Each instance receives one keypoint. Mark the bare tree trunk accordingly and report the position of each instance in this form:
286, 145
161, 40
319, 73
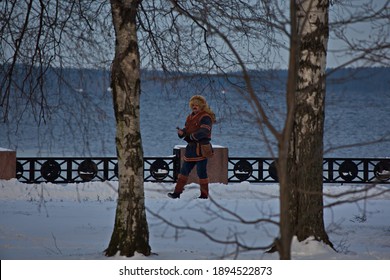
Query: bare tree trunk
287, 194
131, 232
306, 146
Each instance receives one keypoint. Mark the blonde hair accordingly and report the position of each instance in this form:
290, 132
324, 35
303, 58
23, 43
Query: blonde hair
202, 103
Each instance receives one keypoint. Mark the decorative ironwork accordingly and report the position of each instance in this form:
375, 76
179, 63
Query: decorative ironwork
356, 170
348, 170
382, 170
261, 170
243, 170
77, 170
50, 170
65, 170
273, 172
159, 169
335, 170
87, 170
19, 170
166, 169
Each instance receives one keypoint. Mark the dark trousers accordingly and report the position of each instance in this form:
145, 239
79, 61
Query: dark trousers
201, 168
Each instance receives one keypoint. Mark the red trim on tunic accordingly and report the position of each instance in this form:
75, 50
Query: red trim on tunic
193, 158
206, 126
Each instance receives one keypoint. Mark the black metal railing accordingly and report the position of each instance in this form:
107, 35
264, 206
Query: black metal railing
76, 170
165, 169
335, 170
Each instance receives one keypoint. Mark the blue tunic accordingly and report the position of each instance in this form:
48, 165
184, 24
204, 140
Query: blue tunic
197, 131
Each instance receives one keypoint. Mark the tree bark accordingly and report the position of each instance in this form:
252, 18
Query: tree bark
287, 194
306, 145
130, 232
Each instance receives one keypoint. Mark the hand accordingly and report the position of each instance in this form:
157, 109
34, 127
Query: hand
180, 132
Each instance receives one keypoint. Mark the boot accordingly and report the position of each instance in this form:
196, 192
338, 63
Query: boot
204, 188
174, 195
181, 182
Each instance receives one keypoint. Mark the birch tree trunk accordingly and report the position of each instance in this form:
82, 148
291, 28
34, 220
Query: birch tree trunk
287, 193
131, 232
305, 159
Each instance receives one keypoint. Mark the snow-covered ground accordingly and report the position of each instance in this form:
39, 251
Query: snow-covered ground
75, 221
49, 230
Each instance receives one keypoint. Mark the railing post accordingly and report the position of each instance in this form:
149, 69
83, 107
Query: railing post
105, 169
69, 169
7, 164
366, 170
330, 170
32, 170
